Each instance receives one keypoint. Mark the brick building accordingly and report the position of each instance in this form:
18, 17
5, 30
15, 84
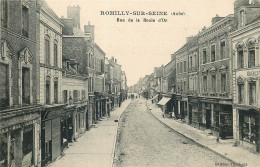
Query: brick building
19, 112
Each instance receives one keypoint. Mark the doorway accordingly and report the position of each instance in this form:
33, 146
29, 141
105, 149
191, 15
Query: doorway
208, 119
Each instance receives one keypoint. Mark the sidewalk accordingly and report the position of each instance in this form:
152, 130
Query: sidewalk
224, 147
96, 147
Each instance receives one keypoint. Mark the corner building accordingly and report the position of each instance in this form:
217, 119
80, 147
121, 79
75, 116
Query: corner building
246, 75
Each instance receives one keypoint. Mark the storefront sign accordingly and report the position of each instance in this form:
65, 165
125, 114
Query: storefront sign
253, 73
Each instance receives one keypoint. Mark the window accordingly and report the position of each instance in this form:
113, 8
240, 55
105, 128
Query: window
190, 61
222, 50
56, 90
102, 66
27, 139
213, 53
47, 89
55, 55
181, 70
240, 93
242, 18
68, 65
204, 56
65, 96
47, 52
252, 93
83, 94
25, 85
75, 96
213, 82
4, 13
195, 61
178, 67
184, 66
249, 129
205, 83
184, 86
240, 59
4, 86
25, 21
223, 82
251, 57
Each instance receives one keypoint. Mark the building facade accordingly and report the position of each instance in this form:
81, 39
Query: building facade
246, 77
20, 118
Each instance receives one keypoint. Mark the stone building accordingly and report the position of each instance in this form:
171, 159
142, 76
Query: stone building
75, 91
181, 81
193, 80
20, 117
215, 96
246, 75
49, 49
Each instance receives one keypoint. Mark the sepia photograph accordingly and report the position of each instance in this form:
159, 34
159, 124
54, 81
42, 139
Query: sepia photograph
129, 83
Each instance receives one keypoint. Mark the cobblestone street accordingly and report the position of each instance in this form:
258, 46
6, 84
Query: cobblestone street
144, 141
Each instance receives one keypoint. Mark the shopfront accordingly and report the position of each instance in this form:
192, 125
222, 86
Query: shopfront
51, 144
193, 111
19, 137
249, 129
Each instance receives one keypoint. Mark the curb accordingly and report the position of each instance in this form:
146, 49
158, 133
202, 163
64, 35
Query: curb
114, 147
201, 145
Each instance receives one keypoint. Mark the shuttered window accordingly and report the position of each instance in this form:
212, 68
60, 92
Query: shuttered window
4, 85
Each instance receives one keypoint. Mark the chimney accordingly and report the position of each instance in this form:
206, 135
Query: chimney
90, 29
216, 19
188, 39
73, 12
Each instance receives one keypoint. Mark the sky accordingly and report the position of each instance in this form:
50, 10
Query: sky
141, 46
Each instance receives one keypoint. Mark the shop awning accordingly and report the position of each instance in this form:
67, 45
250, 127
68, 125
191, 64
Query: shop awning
163, 101
154, 97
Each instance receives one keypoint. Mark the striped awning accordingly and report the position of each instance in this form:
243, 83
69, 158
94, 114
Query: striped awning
163, 101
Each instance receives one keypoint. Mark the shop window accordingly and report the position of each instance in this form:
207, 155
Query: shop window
25, 21
47, 52
251, 57
223, 83
47, 89
249, 129
25, 85
28, 140
55, 55
252, 93
56, 90
4, 86
4, 13
3, 149
222, 50
213, 53
213, 83
205, 83
240, 93
204, 56
240, 59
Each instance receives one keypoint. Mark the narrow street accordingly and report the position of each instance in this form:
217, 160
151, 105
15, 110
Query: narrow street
143, 141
